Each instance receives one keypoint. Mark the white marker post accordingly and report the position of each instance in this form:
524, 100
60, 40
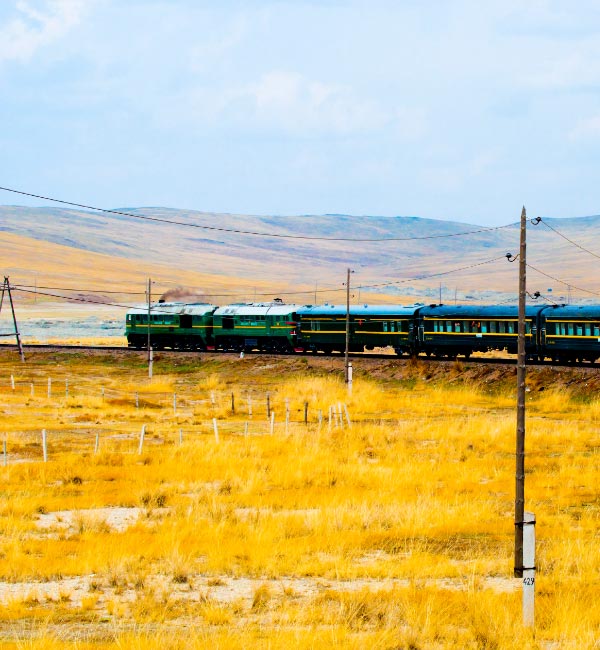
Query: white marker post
142, 436
150, 363
529, 569
49, 387
45, 445
12, 382
350, 378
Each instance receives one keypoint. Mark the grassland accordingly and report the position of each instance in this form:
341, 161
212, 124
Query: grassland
394, 532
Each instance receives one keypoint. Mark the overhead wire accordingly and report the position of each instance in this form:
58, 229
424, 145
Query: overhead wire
567, 284
367, 286
252, 232
574, 243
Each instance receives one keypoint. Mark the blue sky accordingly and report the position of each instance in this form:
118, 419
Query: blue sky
450, 110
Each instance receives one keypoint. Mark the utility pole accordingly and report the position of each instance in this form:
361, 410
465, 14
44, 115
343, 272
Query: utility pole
6, 287
520, 451
149, 294
347, 326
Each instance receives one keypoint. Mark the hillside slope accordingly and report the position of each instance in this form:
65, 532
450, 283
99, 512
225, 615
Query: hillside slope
203, 255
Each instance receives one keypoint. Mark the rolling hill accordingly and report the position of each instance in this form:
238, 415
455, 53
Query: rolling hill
210, 257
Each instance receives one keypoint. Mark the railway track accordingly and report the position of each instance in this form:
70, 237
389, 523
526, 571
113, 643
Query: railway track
352, 355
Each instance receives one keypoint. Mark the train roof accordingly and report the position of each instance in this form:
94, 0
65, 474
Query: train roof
257, 309
356, 310
574, 312
192, 308
477, 311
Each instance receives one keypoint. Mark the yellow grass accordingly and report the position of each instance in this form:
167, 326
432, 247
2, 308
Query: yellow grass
396, 532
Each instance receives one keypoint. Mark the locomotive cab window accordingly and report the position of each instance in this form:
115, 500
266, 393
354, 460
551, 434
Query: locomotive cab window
228, 322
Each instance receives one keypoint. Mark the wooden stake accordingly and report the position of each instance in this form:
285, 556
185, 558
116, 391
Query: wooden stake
142, 436
44, 445
216, 429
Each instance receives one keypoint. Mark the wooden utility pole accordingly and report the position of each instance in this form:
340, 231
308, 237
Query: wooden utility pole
347, 326
520, 451
149, 294
6, 287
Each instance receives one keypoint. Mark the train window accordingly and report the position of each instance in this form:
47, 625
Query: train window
228, 322
579, 330
385, 326
596, 329
510, 327
570, 329
502, 327
392, 326
448, 326
588, 329
492, 325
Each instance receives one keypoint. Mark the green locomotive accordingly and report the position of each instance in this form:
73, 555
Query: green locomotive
174, 325
268, 327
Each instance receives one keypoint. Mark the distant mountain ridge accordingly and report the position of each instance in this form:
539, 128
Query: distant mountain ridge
412, 247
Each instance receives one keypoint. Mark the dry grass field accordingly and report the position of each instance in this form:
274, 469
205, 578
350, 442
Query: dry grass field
383, 522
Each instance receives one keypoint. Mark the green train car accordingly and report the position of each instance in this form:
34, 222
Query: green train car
571, 333
323, 328
177, 326
268, 327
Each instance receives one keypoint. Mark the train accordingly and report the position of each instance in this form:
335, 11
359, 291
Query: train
560, 333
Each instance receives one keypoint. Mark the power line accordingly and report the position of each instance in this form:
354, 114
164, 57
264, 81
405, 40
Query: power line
124, 293
366, 286
567, 284
252, 232
574, 243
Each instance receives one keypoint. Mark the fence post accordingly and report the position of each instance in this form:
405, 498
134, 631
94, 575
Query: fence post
305, 412
102, 392
174, 403
340, 415
320, 416
249, 406
142, 436
232, 404
137, 400
49, 387
212, 397
12, 382
45, 445
97, 445
216, 428
180, 437
347, 416
31, 390
268, 405
245, 430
